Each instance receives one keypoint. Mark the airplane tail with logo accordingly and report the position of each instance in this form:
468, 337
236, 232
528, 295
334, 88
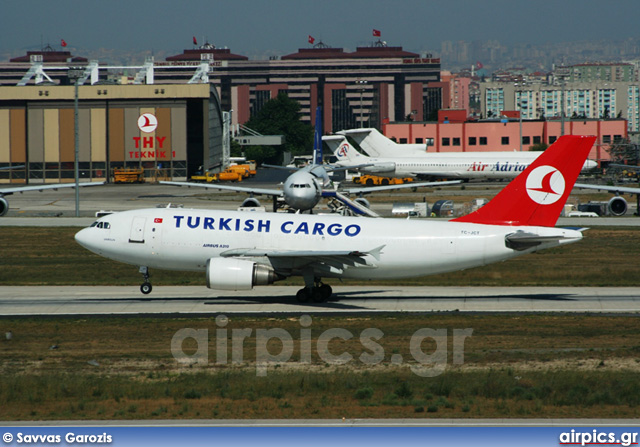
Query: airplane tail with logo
346, 154
536, 196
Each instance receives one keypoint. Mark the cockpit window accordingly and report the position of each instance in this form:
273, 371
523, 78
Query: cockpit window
103, 225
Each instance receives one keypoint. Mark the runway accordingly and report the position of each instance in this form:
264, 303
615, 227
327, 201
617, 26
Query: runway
81, 300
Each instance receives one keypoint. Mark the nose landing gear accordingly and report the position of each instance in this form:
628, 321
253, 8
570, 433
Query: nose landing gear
146, 287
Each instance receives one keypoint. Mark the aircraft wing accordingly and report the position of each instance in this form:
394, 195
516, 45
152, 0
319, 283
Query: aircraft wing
316, 258
266, 191
8, 191
614, 189
368, 189
282, 168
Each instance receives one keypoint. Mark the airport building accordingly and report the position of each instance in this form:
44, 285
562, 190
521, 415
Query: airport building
578, 99
365, 87
454, 133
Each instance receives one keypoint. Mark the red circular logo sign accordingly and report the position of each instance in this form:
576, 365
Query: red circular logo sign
147, 122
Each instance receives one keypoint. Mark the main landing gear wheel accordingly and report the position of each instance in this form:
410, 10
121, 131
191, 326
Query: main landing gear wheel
318, 294
304, 295
146, 286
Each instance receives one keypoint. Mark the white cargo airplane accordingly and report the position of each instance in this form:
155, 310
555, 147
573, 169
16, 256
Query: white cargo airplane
304, 188
239, 251
4, 203
455, 165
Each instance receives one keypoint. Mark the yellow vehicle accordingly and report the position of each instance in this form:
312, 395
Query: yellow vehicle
224, 176
241, 170
371, 180
249, 165
128, 175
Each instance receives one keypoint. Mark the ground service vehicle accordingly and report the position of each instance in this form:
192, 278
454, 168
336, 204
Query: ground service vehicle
128, 175
371, 180
224, 176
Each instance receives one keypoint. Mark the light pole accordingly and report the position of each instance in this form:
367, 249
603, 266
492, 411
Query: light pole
362, 83
74, 75
562, 108
519, 93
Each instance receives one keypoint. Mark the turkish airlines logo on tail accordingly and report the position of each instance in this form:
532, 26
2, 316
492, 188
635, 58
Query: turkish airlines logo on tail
545, 185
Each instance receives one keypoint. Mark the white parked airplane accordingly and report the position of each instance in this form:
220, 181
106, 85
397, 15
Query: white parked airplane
458, 165
304, 188
239, 251
374, 144
4, 203
617, 206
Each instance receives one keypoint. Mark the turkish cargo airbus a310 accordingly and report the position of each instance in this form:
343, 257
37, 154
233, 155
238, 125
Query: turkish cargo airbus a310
240, 250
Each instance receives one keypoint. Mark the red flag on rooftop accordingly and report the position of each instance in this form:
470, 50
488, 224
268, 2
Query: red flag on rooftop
63, 42
195, 42
376, 33
311, 40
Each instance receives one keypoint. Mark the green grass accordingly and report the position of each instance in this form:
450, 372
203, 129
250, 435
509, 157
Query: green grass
514, 366
239, 394
607, 256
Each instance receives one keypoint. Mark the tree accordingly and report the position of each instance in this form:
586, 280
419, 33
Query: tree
623, 152
540, 147
280, 116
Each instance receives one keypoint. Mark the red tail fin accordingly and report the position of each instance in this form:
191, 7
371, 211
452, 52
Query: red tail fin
536, 196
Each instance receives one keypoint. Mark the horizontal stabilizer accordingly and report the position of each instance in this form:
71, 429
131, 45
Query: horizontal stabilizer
521, 240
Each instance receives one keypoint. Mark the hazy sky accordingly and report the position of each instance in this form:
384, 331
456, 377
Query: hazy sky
281, 26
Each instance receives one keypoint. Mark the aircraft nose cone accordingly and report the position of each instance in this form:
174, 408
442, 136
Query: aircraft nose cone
82, 238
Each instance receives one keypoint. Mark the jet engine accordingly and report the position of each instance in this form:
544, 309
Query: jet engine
251, 202
237, 274
617, 206
4, 206
380, 168
362, 201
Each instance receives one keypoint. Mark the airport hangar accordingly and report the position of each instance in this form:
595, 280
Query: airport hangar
37, 129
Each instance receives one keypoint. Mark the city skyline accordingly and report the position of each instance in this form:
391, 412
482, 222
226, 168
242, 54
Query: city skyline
281, 26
